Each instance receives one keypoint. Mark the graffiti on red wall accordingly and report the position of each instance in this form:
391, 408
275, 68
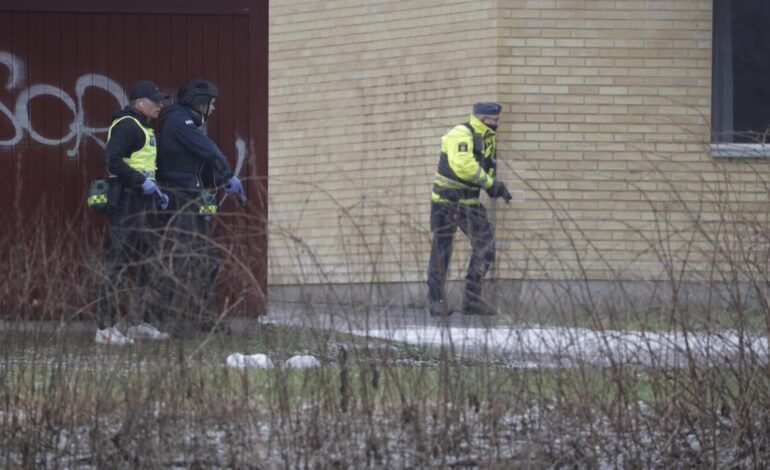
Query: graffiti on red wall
19, 116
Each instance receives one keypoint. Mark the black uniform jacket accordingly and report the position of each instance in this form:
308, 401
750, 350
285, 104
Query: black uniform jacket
188, 158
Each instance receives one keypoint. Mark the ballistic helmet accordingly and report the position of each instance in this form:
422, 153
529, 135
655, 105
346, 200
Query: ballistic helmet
197, 92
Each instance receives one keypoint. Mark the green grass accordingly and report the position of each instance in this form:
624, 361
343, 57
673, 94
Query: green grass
156, 403
385, 371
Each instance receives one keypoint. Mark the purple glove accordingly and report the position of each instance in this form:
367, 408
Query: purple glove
149, 186
162, 200
234, 186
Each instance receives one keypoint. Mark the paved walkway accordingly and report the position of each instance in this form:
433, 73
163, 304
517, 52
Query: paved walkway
496, 338
362, 318
530, 346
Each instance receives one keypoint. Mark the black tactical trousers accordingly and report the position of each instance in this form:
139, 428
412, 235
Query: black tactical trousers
132, 241
192, 264
445, 218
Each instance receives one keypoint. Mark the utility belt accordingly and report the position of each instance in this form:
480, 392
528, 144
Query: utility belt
455, 194
202, 202
146, 173
106, 193
188, 192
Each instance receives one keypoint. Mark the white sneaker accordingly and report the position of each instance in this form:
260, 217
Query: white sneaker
146, 331
112, 336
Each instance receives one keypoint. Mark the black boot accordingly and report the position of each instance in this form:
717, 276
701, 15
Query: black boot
473, 304
436, 309
478, 308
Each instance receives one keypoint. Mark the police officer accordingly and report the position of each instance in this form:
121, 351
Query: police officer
130, 157
466, 165
190, 164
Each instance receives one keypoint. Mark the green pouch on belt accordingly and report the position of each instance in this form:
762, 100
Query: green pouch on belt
207, 203
97, 199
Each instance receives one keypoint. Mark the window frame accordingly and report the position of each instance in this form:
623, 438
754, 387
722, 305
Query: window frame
722, 80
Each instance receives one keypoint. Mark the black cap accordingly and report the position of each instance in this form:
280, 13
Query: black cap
147, 89
487, 108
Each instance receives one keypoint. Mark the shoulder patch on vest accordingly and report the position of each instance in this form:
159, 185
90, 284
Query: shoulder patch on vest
462, 147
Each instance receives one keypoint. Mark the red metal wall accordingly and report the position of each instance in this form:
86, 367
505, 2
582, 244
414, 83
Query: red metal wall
65, 67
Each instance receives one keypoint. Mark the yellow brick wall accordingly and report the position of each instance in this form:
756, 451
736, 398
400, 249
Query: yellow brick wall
604, 137
360, 93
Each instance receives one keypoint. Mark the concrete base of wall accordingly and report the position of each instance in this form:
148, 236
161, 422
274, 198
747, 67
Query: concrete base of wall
542, 296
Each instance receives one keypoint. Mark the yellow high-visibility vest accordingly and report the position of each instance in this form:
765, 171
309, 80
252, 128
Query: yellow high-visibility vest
467, 163
144, 159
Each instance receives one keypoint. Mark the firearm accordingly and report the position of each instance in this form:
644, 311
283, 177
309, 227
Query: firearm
241, 199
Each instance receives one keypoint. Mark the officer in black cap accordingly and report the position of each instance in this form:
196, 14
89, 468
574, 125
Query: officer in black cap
467, 164
130, 158
192, 167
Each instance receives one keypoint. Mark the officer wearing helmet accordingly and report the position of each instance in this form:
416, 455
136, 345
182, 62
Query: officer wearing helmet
185, 153
191, 167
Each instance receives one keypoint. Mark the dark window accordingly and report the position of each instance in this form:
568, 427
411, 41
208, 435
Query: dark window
740, 111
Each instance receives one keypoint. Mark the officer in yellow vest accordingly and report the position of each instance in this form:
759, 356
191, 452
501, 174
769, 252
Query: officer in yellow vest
130, 158
467, 164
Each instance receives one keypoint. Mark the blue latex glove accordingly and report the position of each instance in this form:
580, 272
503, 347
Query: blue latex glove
234, 186
149, 186
162, 200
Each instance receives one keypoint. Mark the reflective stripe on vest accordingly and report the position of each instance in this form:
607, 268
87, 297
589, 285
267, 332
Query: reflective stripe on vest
143, 160
447, 186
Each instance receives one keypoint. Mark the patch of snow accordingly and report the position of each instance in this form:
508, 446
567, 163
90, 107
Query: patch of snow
262, 361
302, 362
581, 344
244, 361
